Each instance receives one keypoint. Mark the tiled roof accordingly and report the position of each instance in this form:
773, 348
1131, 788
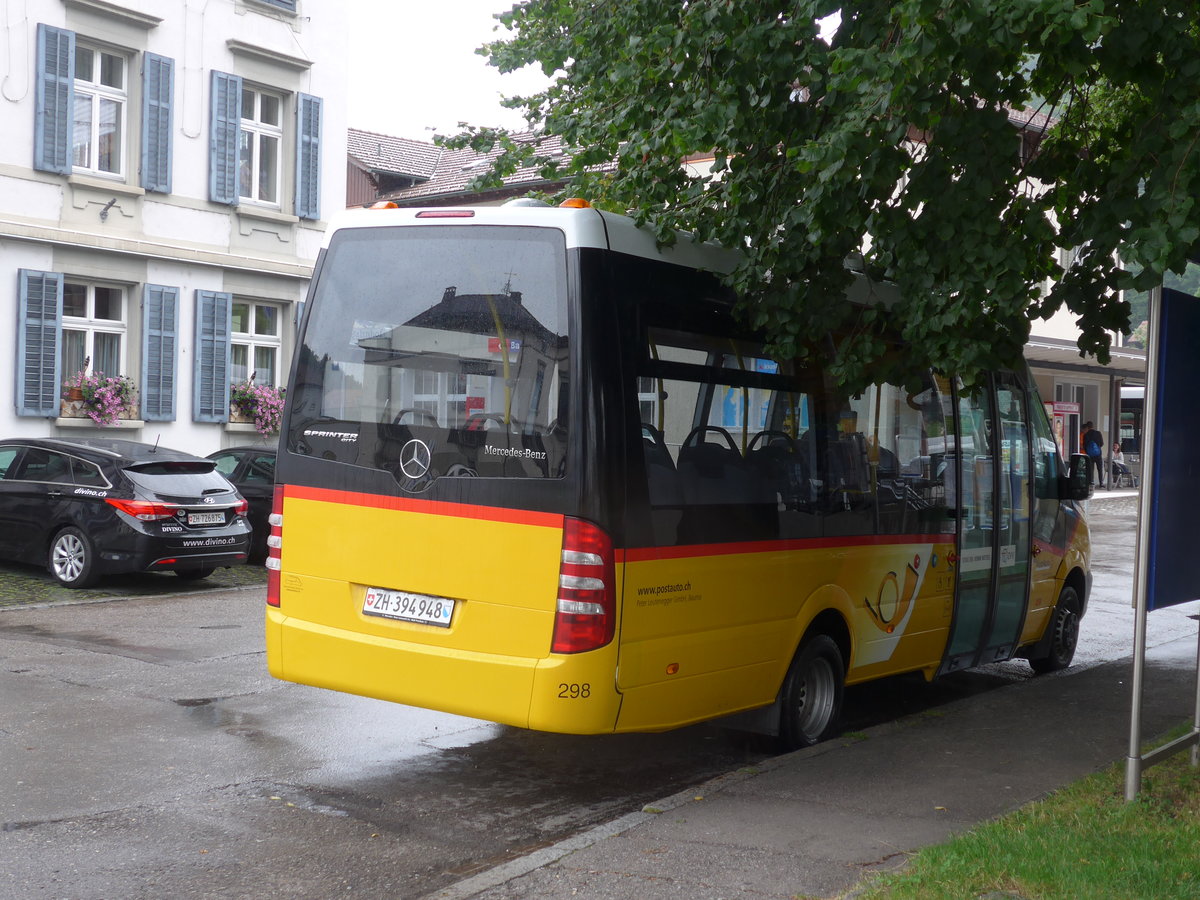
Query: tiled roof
1031, 120
393, 155
457, 168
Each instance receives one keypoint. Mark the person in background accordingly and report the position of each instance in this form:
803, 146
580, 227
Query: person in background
1092, 443
1119, 469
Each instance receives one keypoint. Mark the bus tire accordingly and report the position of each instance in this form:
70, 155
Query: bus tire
812, 693
1064, 626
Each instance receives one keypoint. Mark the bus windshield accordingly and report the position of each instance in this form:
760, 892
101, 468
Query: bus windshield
454, 335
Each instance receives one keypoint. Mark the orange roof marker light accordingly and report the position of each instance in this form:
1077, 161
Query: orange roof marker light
384, 204
575, 203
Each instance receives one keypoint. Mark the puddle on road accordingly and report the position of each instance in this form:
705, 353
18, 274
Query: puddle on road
340, 737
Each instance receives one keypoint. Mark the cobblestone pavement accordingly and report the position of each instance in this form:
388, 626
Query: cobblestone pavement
22, 585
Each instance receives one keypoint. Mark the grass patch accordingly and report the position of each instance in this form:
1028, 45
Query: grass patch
1082, 841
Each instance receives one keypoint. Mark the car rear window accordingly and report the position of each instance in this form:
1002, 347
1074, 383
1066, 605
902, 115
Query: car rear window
172, 467
178, 478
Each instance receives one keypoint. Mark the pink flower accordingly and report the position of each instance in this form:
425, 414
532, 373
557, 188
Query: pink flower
260, 402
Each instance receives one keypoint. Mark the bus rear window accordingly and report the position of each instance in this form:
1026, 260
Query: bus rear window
452, 336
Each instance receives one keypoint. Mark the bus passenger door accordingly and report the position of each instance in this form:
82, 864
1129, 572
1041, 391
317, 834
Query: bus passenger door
991, 500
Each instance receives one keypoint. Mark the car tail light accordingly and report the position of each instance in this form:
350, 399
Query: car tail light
144, 510
242, 507
585, 615
274, 543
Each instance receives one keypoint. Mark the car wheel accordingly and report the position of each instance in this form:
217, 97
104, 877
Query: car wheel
812, 693
1064, 625
72, 559
194, 574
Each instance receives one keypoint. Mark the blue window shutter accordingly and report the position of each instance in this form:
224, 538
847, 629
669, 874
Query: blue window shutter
224, 127
160, 314
308, 156
158, 90
55, 99
210, 381
39, 318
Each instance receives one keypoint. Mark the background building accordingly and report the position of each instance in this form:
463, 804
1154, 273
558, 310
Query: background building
161, 203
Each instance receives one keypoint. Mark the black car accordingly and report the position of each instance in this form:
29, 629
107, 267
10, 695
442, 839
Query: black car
92, 507
252, 471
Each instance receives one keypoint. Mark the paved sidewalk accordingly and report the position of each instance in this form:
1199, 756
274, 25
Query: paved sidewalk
815, 822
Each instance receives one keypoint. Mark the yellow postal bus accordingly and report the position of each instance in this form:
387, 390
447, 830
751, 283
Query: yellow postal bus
532, 470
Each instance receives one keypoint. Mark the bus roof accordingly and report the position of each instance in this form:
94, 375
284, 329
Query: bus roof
582, 228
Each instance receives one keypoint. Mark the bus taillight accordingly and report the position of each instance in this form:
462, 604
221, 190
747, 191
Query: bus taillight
585, 617
274, 542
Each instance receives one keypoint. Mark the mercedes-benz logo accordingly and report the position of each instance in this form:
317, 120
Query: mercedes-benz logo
415, 458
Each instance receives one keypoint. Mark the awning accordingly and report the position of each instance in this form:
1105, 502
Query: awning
1128, 363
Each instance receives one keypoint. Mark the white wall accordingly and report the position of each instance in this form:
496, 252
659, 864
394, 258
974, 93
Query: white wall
52, 222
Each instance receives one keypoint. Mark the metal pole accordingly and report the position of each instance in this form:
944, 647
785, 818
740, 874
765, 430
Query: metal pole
1196, 717
1133, 764
1114, 427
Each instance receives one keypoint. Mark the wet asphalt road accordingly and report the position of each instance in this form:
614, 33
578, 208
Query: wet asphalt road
145, 752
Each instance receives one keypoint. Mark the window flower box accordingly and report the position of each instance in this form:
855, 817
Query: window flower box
105, 399
259, 405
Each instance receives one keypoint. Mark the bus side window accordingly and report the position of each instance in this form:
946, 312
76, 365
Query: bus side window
884, 462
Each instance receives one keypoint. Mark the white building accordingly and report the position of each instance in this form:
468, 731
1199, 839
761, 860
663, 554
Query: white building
161, 203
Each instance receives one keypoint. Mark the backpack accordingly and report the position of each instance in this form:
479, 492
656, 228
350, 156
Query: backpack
1093, 449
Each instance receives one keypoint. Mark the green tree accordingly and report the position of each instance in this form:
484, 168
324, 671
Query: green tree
814, 158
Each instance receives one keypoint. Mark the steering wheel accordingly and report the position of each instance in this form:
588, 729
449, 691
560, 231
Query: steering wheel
419, 417
769, 436
700, 430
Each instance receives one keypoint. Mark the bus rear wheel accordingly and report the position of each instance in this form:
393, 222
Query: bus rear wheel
812, 693
1064, 626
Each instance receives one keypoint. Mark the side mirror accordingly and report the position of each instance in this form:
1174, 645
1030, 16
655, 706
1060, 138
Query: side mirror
1077, 485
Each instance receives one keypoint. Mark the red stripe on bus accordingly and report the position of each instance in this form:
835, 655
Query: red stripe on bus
426, 507
645, 554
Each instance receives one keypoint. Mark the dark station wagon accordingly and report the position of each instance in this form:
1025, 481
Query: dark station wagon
92, 507
252, 471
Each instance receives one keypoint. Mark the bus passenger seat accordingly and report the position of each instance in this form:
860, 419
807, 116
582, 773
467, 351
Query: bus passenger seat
712, 473
776, 468
662, 480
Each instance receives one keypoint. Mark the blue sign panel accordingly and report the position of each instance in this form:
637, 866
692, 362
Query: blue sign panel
1173, 567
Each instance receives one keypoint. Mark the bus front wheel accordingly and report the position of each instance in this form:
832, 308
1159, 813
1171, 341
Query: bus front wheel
812, 693
1064, 626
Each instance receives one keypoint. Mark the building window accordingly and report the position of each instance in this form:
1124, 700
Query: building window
245, 161
98, 129
93, 328
259, 152
255, 342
